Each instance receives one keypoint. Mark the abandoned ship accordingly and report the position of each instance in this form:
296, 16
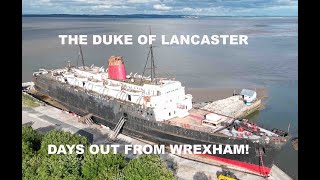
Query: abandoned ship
157, 110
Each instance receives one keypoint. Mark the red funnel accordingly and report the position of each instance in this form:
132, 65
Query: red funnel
116, 69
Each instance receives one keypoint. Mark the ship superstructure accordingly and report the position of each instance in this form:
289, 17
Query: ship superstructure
159, 101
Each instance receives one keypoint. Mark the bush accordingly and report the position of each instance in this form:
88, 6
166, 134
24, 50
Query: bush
31, 138
147, 167
57, 137
31, 143
61, 165
30, 167
102, 165
38, 164
110, 174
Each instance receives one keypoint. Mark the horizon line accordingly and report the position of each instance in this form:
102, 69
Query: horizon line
30, 14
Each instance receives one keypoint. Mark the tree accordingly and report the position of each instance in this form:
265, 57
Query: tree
31, 138
113, 173
147, 167
38, 164
60, 166
102, 165
30, 167
57, 137
31, 143
27, 154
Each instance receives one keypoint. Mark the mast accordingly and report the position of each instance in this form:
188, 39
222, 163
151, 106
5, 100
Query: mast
153, 67
153, 73
82, 57
78, 60
152, 64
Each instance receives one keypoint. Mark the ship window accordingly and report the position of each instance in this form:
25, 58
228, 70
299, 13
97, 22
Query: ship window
150, 114
147, 114
174, 112
83, 83
169, 114
129, 97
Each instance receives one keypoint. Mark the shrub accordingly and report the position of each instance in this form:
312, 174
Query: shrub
147, 167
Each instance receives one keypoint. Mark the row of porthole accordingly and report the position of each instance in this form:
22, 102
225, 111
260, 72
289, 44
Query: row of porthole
140, 111
147, 112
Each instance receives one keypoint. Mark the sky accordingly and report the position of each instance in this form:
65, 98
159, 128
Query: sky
165, 7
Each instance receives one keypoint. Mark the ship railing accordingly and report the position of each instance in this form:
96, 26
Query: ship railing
41, 71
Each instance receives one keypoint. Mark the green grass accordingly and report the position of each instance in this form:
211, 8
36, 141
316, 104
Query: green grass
27, 101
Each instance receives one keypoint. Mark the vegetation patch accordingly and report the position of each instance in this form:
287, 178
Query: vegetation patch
28, 101
38, 164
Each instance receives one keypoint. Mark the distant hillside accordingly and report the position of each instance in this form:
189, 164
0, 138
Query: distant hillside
108, 16
137, 16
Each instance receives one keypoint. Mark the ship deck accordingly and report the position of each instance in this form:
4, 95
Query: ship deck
194, 120
132, 80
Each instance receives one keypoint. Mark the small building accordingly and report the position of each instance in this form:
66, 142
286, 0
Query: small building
212, 120
248, 95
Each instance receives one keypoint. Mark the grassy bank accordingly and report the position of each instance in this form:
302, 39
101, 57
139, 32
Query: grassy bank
28, 101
